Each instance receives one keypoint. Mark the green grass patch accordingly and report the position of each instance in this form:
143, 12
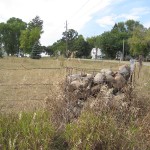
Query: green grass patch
26, 131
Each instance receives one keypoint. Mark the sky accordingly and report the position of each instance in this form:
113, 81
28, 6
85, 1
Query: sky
87, 17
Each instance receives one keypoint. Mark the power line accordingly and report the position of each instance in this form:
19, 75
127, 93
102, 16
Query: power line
80, 8
76, 12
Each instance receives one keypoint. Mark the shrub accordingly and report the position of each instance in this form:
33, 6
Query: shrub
35, 54
100, 132
26, 131
1, 54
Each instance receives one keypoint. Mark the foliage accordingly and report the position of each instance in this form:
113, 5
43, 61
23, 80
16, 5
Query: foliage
76, 43
10, 33
60, 45
139, 42
131, 24
24, 41
36, 23
47, 49
93, 131
16, 34
36, 50
31, 34
70, 36
111, 42
81, 46
26, 131
92, 41
1, 54
28, 38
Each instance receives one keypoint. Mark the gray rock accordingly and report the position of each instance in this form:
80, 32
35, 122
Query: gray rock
107, 71
99, 78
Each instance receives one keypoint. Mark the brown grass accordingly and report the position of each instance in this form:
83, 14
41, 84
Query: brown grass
30, 85
24, 83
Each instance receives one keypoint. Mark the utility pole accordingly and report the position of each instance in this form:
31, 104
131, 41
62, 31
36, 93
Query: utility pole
96, 53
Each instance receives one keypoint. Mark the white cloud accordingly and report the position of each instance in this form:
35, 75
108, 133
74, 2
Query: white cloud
140, 10
135, 14
106, 21
54, 13
147, 24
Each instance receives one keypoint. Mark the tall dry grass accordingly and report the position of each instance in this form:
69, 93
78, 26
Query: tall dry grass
27, 91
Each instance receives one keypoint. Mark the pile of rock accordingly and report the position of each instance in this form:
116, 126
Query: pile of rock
79, 87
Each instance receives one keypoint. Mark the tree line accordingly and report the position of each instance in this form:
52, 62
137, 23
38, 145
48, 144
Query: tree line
17, 35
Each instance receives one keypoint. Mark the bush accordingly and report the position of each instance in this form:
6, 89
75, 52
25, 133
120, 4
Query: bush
1, 54
26, 131
101, 132
35, 54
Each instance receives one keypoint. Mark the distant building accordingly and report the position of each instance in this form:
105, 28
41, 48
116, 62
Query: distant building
96, 53
26, 55
3, 52
44, 54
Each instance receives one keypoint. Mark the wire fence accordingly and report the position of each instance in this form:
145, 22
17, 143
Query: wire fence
29, 86
51, 68
21, 92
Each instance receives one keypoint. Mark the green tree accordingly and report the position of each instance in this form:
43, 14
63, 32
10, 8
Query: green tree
111, 42
139, 42
24, 41
91, 42
70, 36
131, 24
81, 46
107, 44
1, 43
60, 46
121, 36
31, 34
147, 38
36, 23
10, 34
36, 50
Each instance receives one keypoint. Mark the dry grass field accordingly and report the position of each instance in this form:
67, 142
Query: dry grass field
25, 84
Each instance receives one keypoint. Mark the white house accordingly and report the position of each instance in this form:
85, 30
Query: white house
44, 54
96, 53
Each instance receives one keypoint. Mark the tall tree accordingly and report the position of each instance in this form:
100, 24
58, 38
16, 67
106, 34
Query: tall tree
36, 23
70, 36
59, 46
81, 47
131, 24
112, 42
139, 41
36, 50
1, 41
31, 34
107, 44
10, 33
92, 42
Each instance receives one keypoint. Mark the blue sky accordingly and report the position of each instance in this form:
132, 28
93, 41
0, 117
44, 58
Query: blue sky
119, 11
87, 17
